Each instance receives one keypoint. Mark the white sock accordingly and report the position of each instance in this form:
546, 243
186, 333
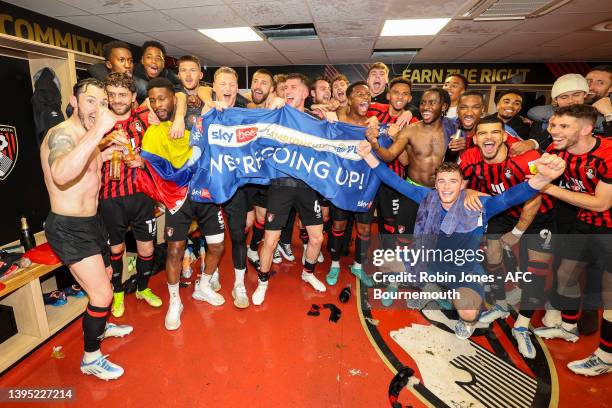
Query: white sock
335, 264
569, 326
522, 321
262, 283
174, 292
503, 304
239, 277
356, 265
604, 355
88, 357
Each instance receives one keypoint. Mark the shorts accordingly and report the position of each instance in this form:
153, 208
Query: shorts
136, 210
339, 214
586, 242
208, 216
389, 201
256, 195
281, 199
76, 238
538, 236
406, 218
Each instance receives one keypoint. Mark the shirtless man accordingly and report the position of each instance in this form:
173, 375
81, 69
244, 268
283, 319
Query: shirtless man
425, 146
359, 99
72, 163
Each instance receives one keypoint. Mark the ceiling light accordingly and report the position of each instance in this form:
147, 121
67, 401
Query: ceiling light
417, 26
233, 34
394, 53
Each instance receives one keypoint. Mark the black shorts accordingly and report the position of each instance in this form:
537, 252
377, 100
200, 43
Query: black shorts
389, 202
586, 242
339, 214
538, 236
208, 216
281, 199
256, 195
237, 208
76, 238
119, 213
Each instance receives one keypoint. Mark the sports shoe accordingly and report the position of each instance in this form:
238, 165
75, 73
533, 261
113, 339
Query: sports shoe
320, 258
116, 330
276, 258
214, 281
388, 301
464, 330
286, 251
241, 300
187, 272
332, 275
204, 292
523, 341
496, 312
557, 332
102, 368
173, 316
314, 282
118, 308
253, 258
590, 366
363, 277
151, 298
552, 317
260, 293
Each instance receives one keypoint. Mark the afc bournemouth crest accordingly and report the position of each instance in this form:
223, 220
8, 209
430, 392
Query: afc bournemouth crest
9, 150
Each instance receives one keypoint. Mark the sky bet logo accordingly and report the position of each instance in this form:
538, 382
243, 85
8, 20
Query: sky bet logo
242, 135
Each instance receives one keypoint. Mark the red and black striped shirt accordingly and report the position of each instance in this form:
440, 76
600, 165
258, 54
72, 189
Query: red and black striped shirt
135, 126
381, 111
496, 178
582, 174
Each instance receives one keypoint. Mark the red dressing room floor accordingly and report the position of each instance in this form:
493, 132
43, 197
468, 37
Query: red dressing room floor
277, 356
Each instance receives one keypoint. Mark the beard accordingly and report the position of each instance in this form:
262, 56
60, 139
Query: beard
120, 109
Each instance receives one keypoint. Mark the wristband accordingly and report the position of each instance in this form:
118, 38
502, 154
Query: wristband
517, 232
537, 145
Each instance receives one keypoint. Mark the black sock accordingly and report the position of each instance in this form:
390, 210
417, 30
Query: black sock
144, 266
309, 267
263, 276
304, 236
94, 323
605, 342
362, 244
117, 265
498, 289
336, 238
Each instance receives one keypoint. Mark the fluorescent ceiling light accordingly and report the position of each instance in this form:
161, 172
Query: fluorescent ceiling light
233, 34
416, 26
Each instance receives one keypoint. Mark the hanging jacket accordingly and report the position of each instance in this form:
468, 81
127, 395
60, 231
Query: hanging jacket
46, 102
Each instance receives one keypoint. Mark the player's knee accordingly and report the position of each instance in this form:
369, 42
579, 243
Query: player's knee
175, 252
468, 315
315, 238
145, 248
216, 249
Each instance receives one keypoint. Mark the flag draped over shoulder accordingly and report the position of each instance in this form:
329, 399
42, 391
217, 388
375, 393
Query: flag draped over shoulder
166, 178
241, 146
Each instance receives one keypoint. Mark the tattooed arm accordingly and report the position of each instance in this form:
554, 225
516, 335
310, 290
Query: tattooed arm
67, 157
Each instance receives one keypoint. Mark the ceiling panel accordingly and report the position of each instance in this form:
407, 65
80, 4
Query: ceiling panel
398, 9
145, 21
449, 53
581, 40
339, 10
252, 46
465, 40
51, 8
357, 55
560, 23
165, 4
273, 12
207, 17
313, 45
419, 41
349, 28
478, 27
348, 43
580, 6
108, 6
182, 37
97, 24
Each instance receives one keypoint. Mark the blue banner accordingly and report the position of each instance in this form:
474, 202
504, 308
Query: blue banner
241, 146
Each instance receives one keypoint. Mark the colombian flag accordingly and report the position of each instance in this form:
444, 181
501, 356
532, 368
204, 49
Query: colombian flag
166, 178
